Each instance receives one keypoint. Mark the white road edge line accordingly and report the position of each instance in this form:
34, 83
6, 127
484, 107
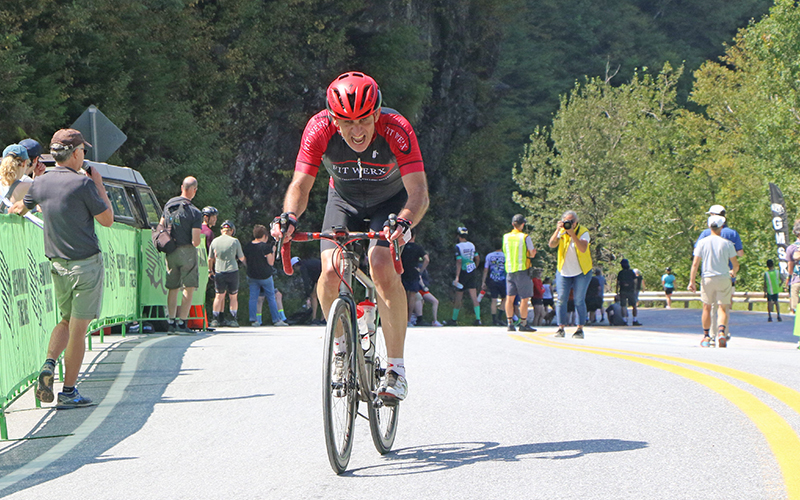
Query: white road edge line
94, 420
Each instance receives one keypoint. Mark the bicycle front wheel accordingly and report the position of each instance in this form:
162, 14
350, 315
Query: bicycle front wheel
382, 418
339, 385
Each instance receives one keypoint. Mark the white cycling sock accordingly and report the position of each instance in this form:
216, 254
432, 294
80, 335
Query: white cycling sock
396, 365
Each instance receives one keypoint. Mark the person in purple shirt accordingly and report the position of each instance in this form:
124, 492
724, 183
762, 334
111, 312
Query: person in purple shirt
793, 257
209, 220
732, 236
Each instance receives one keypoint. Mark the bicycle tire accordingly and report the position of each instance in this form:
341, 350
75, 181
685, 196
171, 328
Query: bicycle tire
382, 420
339, 401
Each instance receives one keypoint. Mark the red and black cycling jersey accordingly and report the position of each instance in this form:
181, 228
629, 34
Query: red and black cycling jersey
368, 178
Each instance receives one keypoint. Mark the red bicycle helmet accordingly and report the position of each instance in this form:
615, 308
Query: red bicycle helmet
353, 96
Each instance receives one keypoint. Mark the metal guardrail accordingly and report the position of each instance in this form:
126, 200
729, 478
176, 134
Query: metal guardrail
686, 297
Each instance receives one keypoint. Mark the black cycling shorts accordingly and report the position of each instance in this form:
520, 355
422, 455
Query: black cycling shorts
227, 282
339, 212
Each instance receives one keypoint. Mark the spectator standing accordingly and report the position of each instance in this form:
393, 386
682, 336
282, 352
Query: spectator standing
772, 286
668, 282
222, 258
601, 290
71, 202
184, 221
37, 166
626, 289
495, 270
639, 284
716, 254
310, 270
467, 260
574, 268
732, 236
415, 259
537, 299
547, 300
260, 257
12, 169
210, 215
793, 257
518, 250
594, 299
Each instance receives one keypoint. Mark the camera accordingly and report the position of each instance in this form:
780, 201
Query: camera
567, 224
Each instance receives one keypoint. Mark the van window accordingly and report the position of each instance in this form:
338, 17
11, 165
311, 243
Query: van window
150, 205
120, 203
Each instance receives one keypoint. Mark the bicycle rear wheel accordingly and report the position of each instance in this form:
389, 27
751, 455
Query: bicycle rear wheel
339, 397
382, 418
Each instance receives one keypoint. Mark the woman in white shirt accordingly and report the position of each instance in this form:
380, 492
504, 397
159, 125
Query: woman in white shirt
574, 269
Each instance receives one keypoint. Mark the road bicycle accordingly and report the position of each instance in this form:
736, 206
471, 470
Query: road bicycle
365, 358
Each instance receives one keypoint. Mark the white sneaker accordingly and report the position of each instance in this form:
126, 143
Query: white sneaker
393, 389
436, 323
281, 323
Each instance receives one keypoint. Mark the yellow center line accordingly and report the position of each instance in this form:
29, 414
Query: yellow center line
780, 436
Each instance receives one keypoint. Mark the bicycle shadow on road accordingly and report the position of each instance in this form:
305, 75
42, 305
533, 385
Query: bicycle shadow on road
431, 458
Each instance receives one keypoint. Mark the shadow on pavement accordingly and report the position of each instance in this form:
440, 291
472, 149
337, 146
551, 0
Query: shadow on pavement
437, 457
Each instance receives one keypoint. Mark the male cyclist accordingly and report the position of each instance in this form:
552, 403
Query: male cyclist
376, 169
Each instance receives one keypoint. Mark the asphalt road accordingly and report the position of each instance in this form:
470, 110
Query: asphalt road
639, 412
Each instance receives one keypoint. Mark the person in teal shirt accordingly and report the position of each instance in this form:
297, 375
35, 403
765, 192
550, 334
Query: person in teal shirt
772, 286
668, 282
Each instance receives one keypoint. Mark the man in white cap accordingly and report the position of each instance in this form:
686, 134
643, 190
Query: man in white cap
716, 253
732, 236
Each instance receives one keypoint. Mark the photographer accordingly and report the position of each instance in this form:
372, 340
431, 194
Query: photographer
574, 269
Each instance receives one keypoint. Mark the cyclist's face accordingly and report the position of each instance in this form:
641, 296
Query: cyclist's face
358, 133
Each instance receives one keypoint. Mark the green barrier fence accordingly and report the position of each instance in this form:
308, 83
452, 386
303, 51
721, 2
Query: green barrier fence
134, 289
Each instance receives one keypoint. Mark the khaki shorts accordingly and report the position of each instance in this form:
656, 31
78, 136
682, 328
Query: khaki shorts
78, 285
182, 268
717, 290
794, 294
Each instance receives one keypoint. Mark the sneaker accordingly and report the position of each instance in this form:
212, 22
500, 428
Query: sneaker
281, 323
636, 323
44, 389
722, 341
511, 327
393, 388
779, 319
72, 400
255, 323
526, 328
183, 329
706, 341
559, 333
450, 323
436, 323
170, 328
339, 369
578, 334
478, 323
215, 323
232, 323
411, 324
769, 320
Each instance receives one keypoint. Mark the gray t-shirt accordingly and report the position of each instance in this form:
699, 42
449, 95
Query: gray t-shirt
225, 249
69, 202
182, 225
715, 251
